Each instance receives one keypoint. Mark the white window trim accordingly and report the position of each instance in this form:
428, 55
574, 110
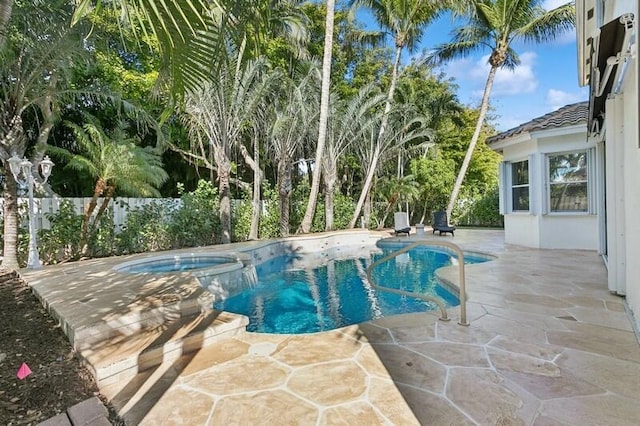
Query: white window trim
506, 195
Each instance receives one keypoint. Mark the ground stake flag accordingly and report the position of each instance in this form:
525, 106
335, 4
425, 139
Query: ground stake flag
23, 371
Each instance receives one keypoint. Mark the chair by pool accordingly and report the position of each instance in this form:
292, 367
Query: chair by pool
441, 224
401, 223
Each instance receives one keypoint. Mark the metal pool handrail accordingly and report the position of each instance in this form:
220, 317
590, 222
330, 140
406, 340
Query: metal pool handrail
443, 310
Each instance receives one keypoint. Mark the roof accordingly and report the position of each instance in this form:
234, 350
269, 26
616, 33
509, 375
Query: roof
568, 115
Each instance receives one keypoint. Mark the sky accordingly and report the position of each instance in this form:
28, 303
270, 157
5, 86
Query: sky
546, 79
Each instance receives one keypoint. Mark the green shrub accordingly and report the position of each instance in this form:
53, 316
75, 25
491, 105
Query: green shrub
270, 219
146, 228
343, 208
197, 222
240, 219
481, 210
102, 238
62, 241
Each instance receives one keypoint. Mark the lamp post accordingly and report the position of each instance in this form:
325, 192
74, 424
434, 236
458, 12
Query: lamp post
22, 166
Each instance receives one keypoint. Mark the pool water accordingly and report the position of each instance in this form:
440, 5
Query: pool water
295, 301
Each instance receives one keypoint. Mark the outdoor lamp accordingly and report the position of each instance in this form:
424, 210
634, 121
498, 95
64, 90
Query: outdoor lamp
22, 166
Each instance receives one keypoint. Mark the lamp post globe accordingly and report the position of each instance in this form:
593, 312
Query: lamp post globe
22, 166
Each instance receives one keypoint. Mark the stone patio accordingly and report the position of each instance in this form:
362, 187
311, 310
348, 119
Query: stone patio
547, 345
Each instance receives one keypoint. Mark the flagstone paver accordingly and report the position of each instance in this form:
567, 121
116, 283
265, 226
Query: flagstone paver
547, 345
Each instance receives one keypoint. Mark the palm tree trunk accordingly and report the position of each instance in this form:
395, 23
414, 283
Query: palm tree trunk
254, 163
224, 173
256, 204
474, 139
98, 190
365, 187
383, 125
5, 15
329, 189
366, 211
10, 250
48, 120
330, 175
105, 202
305, 226
284, 195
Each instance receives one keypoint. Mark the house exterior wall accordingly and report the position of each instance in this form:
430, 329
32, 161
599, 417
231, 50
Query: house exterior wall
540, 228
631, 192
622, 148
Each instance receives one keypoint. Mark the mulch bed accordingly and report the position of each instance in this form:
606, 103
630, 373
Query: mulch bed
28, 334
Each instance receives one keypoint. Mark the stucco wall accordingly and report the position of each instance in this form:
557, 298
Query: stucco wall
521, 229
576, 232
631, 168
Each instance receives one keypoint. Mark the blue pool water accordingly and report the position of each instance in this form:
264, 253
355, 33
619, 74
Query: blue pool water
334, 295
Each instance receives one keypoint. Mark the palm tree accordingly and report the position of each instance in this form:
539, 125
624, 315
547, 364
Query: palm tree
293, 110
406, 20
397, 190
404, 128
265, 20
497, 24
34, 76
325, 89
217, 115
350, 122
6, 7
116, 162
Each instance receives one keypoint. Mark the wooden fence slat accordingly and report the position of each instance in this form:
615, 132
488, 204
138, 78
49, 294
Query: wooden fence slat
118, 207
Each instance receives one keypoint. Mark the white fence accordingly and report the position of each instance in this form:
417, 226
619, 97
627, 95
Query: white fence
118, 207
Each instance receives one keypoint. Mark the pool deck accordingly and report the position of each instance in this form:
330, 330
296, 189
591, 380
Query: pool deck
547, 345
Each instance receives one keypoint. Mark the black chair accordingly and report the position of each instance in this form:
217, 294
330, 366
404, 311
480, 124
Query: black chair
441, 224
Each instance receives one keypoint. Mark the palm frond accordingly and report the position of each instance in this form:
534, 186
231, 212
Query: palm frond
546, 26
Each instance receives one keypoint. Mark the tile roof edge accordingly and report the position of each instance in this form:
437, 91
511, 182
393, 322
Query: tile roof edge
564, 116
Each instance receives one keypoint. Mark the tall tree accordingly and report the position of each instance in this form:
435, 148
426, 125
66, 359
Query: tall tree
6, 7
37, 60
351, 121
497, 24
217, 115
406, 20
116, 162
294, 108
305, 226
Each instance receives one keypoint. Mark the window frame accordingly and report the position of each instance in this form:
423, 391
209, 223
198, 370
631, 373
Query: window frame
588, 182
513, 186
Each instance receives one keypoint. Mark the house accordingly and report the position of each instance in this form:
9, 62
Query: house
571, 178
548, 191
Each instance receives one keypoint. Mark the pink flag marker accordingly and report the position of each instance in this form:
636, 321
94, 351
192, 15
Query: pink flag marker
23, 371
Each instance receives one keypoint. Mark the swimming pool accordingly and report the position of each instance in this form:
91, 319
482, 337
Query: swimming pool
335, 294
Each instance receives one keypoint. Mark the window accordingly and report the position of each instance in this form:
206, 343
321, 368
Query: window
520, 186
568, 182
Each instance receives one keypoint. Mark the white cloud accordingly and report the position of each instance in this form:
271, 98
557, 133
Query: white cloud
559, 98
506, 83
552, 4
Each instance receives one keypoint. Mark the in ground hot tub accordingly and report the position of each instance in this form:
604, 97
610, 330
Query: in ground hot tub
178, 263
223, 274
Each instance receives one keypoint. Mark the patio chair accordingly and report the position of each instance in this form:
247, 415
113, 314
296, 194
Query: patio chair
401, 223
441, 224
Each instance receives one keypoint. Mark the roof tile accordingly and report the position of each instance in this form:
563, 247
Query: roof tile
568, 115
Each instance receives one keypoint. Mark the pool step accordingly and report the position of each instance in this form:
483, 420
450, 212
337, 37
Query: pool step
121, 357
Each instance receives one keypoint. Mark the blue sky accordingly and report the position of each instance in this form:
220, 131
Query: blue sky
546, 79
